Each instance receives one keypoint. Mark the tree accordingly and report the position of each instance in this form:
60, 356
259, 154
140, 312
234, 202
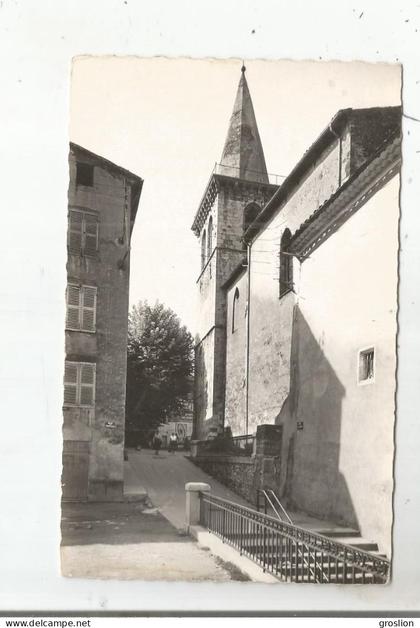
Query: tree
159, 366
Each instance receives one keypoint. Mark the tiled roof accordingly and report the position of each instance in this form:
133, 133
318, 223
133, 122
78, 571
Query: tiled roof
314, 152
356, 191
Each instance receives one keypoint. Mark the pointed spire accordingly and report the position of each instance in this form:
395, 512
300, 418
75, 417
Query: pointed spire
243, 155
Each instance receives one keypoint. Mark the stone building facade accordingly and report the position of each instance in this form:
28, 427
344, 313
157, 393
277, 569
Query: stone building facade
238, 188
309, 321
102, 203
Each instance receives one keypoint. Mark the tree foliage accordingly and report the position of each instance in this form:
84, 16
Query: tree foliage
159, 365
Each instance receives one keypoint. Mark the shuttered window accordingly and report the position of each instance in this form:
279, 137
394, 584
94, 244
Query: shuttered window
83, 231
79, 384
81, 308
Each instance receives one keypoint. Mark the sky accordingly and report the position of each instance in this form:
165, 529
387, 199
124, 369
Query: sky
166, 120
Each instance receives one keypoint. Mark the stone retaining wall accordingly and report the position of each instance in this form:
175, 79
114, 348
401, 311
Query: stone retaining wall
245, 474
235, 472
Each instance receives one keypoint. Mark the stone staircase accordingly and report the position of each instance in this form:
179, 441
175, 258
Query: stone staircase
310, 568
307, 566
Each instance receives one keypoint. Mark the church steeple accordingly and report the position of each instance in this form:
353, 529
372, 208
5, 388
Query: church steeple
238, 188
243, 154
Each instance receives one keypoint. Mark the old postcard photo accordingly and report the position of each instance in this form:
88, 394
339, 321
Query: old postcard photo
231, 320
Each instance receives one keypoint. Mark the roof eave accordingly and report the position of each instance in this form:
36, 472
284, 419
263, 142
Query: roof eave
236, 273
328, 135
299, 243
221, 178
110, 165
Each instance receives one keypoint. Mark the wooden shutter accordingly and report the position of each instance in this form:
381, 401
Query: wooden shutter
89, 308
73, 307
70, 383
75, 229
87, 384
91, 235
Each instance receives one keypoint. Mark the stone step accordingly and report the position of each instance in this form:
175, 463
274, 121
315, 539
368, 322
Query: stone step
379, 554
139, 495
273, 566
272, 557
334, 532
358, 578
358, 542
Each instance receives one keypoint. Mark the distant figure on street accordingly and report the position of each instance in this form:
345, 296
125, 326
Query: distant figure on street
156, 444
173, 443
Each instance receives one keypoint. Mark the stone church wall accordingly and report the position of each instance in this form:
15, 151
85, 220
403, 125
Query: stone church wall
235, 398
340, 462
271, 316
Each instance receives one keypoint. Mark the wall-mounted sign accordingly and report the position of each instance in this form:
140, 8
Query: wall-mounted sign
299, 425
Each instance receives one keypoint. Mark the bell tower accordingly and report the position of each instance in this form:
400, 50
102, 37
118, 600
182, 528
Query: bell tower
238, 188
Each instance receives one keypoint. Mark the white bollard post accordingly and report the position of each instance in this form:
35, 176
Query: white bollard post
192, 514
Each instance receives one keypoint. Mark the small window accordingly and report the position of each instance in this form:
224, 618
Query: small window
235, 299
286, 264
367, 365
81, 308
79, 384
84, 174
83, 232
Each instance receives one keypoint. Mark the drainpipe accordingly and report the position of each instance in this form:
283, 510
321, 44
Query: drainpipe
248, 248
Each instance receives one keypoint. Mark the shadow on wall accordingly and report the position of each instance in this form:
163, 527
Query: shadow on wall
200, 392
310, 477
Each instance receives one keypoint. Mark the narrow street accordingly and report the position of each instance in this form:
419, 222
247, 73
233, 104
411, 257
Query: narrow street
143, 540
163, 477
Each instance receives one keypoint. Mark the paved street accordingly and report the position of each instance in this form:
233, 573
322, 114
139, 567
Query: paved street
164, 478
143, 540
130, 541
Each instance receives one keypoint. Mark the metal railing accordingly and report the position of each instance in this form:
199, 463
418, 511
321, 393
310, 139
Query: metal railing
244, 444
247, 173
290, 553
271, 499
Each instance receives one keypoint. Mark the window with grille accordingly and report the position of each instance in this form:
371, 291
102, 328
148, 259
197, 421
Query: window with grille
83, 231
79, 384
84, 174
81, 308
367, 365
286, 264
